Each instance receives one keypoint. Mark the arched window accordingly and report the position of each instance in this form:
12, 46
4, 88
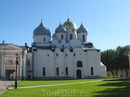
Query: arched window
57, 71
79, 64
83, 37
61, 36
66, 69
70, 36
44, 71
91, 70
10, 62
44, 39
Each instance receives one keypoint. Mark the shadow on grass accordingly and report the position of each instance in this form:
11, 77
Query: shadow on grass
114, 88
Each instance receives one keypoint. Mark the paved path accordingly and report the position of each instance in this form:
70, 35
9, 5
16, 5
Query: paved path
58, 84
5, 85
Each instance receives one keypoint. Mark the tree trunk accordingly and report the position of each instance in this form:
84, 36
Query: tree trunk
122, 73
126, 73
117, 73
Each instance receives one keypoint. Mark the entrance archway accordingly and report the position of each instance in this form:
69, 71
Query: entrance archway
10, 74
79, 74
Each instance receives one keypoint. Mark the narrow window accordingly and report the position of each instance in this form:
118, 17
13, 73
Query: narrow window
66, 54
74, 54
91, 70
61, 36
48, 55
44, 71
70, 36
44, 39
28, 62
66, 69
57, 71
57, 54
79, 64
83, 37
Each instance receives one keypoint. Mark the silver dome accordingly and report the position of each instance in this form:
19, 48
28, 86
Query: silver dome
82, 29
41, 30
60, 28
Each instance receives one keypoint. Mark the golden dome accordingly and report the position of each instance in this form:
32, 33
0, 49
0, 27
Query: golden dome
69, 25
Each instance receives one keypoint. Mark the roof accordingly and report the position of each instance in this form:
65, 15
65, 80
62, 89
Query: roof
82, 29
69, 24
41, 30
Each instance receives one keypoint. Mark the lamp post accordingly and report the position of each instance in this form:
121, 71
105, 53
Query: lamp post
16, 71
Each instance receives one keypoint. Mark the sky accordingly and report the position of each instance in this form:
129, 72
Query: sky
107, 21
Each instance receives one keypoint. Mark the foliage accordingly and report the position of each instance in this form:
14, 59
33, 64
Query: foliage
116, 59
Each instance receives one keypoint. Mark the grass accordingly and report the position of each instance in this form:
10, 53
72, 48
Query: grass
119, 88
49, 82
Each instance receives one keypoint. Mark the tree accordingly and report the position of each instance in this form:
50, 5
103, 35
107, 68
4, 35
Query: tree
116, 59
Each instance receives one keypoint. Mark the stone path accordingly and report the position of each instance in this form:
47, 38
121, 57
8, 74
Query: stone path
5, 85
58, 84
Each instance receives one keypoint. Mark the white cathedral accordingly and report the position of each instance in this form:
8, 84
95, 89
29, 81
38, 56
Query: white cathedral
68, 55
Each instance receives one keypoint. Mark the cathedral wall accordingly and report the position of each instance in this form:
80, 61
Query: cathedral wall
71, 32
44, 59
103, 71
54, 42
69, 62
58, 36
79, 56
93, 61
74, 43
80, 36
59, 56
41, 38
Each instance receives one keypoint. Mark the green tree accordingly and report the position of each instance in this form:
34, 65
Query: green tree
116, 59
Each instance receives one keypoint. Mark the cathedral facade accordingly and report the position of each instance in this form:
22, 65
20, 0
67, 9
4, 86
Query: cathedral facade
65, 55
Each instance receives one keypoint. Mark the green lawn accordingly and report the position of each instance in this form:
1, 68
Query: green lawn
120, 88
49, 82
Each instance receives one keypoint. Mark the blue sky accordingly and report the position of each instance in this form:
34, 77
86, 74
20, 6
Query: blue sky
108, 21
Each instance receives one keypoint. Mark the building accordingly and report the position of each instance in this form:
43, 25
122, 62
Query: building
67, 55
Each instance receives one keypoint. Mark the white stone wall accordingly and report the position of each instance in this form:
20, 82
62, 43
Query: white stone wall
58, 36
66, 53
41, 38
80, 36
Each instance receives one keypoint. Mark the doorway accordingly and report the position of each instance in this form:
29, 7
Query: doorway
79, 74
10, 74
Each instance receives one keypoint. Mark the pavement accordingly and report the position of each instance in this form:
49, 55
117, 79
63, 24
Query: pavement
5, 85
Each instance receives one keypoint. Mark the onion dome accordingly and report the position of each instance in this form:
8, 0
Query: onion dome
41, 30
82, 29
60, 28
69, 25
